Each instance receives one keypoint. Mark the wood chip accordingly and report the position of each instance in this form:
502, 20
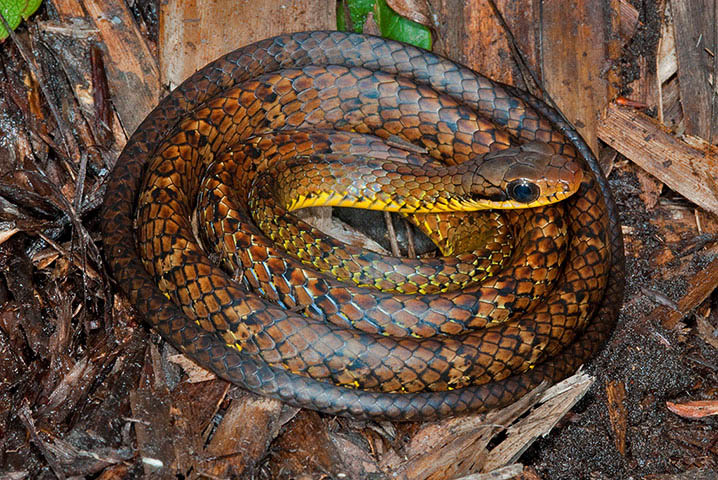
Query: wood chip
503, 473
248, 426
686, 169
195, 372
305, 450
618, 413
695, 409
707, 332
702, 285
556, 402
651, 188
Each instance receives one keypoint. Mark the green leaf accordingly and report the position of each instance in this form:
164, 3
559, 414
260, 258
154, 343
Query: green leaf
358, 11
14, 11
394, 26
391, 24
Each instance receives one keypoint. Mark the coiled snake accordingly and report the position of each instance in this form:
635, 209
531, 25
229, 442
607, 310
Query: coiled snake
379, 355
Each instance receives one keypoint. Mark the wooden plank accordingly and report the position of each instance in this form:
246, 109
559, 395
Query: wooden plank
693, 29
485, 35
195, 32
687, 169
131, 68
470, 34
575, 49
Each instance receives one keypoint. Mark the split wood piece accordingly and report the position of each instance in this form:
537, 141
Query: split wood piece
321, 218
454, 447
687, 169
131, 68
666, 61
36, 77
618, 413
25, 416
651, 188
307, 449
195, 373
73, 31
232, 448
628, 17
705, 473
666, 68
707, 332
458, 446
554, 404
693, 24
702, 285
671, 112
21, 284
153, 426
694, 409
240, 441
646, 90
195, 422
68, 35
190, 36
101, 98
19, 90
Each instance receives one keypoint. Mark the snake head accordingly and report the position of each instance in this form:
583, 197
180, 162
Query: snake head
526, 176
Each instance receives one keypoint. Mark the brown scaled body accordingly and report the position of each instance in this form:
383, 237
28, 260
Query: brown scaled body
275, 352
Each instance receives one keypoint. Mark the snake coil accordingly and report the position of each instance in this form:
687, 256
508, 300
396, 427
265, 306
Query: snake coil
275, 352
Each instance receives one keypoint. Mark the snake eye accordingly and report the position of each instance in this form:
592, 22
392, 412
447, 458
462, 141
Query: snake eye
523, 191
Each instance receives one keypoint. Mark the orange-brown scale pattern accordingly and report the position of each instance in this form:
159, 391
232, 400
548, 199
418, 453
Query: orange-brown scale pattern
515, 289
364, 360
291, 357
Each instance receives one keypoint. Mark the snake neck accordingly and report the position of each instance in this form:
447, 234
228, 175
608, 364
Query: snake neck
521, 177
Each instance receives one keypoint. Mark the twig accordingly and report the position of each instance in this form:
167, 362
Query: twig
392, 234
411, 248
101, 97
80, 183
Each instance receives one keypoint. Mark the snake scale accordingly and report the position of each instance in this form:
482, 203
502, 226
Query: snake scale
412, 372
